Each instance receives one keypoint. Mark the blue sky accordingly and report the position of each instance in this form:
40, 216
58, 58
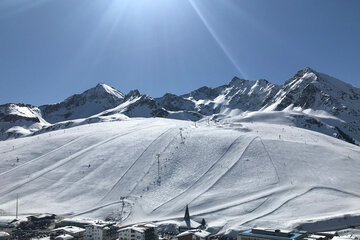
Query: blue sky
51, 49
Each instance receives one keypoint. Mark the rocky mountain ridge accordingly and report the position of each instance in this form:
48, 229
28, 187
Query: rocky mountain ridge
323, 103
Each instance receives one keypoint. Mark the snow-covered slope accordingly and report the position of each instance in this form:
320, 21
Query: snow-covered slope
318, 121
234, 174
19, 120
83, 105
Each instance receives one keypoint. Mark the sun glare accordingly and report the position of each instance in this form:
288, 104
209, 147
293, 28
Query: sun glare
216, 38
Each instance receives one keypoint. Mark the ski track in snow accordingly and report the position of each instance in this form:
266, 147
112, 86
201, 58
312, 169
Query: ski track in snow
198, 184
234, 205
118, 185
66, 160
102, 206
152, 164
293, 197
42, 156
271, 160
234, 163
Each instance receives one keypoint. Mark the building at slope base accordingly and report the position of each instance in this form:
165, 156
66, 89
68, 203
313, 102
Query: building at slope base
194, 234
262, 234
139, 232
101, 231
76, 232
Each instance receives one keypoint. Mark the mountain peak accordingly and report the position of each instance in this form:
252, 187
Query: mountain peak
262, 81
101, 88
237, 81
90, 102
309, 76
307, 70
303, 75
132, 94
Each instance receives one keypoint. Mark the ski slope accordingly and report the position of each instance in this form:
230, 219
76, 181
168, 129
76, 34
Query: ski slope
235, 174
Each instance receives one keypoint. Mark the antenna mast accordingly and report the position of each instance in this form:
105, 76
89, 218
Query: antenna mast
181, 136
122, 207
17, 205
158, 163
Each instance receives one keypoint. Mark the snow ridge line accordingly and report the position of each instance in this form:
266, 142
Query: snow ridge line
102, 206
115, 185
152, 164
211, 167
231, 167
44, 155
272, 162
299, 195
257, 196
223, 208
66, 160
265, 198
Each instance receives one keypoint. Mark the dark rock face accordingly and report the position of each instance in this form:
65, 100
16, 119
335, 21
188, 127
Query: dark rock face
132, 94
307, 98
13, 118
173, 102
204, 93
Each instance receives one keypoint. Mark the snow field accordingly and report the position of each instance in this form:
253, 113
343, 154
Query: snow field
235, 174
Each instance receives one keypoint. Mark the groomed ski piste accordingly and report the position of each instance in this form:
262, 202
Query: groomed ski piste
236, 173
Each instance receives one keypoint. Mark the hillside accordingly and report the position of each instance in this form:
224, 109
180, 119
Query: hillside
235, 173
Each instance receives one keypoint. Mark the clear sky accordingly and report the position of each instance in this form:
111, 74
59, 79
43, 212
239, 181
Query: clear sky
51, 49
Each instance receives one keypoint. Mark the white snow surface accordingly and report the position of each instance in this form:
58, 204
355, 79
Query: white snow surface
235, 173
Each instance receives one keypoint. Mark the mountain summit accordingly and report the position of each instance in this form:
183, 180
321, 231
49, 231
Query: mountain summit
86, 104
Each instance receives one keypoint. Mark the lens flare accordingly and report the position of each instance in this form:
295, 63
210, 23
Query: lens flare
216, 38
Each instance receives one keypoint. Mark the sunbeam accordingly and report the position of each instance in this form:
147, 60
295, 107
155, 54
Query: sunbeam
114, 12
12, 7
216, 38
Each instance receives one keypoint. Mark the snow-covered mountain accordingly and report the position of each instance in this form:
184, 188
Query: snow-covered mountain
137, 105
19, 120
309, 89
169, 106
313, 100
83, 105
312, 92
240, 94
